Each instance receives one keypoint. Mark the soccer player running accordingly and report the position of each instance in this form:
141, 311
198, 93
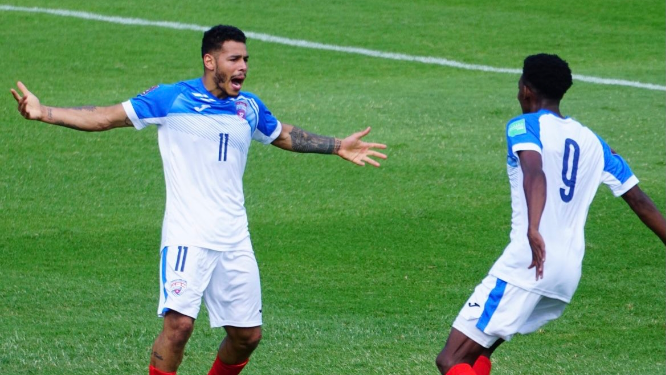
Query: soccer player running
555, 166
204, 128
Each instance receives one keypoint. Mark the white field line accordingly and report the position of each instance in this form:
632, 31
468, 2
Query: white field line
319, 46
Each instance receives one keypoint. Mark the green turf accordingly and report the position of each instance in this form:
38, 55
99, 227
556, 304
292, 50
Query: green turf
363, 270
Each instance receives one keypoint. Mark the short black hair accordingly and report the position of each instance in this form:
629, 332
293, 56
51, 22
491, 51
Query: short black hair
548, 75
217, 35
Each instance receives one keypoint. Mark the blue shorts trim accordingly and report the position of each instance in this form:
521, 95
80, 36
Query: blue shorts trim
164, 263
491, 304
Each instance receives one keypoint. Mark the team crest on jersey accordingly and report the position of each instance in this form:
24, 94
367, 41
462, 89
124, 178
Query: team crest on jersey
176, 287
150, 89
241, 109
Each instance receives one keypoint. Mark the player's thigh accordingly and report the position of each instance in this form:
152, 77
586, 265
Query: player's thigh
233, 297
472, 310
185, 272
496, 310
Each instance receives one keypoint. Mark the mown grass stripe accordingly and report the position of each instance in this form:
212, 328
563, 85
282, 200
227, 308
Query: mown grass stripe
321, 46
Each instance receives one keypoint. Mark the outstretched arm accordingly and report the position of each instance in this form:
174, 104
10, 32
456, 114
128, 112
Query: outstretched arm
646, 210
352, 148
89, 118
534, 184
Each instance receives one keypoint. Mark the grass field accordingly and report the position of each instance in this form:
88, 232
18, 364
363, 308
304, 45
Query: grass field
363, 270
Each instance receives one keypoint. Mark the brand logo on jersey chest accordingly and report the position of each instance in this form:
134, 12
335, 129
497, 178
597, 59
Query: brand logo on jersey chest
201, 108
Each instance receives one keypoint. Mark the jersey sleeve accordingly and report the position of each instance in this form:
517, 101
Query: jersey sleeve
152, 106
268, 127
522, 134
617, 174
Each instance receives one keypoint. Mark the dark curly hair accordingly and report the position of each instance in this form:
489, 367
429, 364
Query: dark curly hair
217, 35
548, 75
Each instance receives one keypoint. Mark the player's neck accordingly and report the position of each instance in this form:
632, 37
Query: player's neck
212, 87
548, 105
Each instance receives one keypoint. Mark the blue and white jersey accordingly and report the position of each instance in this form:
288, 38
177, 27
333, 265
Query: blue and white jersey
204, 142
575, 161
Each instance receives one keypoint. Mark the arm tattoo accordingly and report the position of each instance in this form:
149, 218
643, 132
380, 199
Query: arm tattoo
158, 356
59, 123
89, 108
302, 141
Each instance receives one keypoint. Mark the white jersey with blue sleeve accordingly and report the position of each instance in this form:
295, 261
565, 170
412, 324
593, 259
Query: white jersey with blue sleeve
575, 161
204, 142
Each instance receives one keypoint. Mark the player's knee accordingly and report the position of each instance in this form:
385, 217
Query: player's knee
246, 339
178, 329
251, 340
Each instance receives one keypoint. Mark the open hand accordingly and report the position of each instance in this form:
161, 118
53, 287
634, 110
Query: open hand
359, 152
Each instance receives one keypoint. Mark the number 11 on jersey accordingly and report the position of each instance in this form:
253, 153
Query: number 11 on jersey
224, 143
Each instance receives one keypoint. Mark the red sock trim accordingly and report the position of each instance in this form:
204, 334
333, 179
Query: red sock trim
482, 365
153, 371
221, 368
461, 369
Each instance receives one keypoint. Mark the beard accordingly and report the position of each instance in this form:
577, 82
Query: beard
220, 80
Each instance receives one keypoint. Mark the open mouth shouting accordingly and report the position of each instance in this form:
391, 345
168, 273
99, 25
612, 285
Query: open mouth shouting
236, 82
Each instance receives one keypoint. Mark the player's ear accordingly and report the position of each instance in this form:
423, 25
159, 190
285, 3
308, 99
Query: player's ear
209, 61
527, 92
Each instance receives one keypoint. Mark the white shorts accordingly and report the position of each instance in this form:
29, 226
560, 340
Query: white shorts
497, 310
228, 281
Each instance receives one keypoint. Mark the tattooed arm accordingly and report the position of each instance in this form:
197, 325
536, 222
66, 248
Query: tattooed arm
88, 118
296, 139
352, 148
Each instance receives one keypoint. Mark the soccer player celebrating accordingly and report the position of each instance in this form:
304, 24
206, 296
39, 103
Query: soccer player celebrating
204, 128
555, 166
